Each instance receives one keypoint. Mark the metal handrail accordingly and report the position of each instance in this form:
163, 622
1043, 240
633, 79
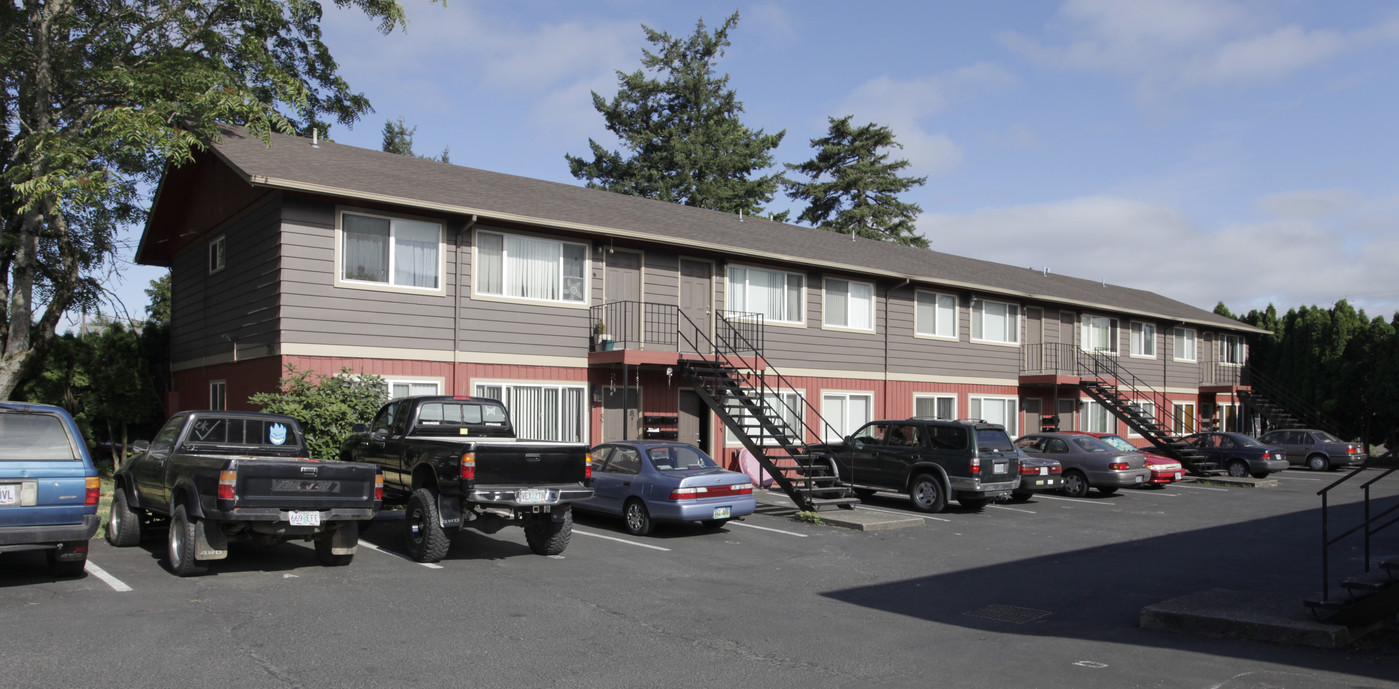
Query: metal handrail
1366, 523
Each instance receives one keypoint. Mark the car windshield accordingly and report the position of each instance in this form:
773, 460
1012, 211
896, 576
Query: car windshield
1117, 442
34, 437
1325, 437
679, 458
1093, 444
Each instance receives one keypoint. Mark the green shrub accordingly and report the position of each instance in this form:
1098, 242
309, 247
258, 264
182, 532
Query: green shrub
325, 406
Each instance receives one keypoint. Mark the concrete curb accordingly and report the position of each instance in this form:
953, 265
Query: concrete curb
1250, 615
778, 504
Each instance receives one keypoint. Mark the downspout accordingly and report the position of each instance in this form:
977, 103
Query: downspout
463, 239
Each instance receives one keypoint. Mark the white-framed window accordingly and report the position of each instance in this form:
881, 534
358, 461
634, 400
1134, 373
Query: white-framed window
217, 258
533, 268
543, 411
407, 388
1231, 349
1144, 339
776, 295
218, 395
383, 250
788, 403
846, 412
935, 315
1183, 422
1228, 415
1095, 418
994, 321
1001, 410
1146, 407
849, 304
1184, 344
935, 406
1099, 334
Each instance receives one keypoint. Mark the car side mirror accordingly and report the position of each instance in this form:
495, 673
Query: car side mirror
140, 446
855, 443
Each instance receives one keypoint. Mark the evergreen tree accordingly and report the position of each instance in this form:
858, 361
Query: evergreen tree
398, 138
854, 188
679, 126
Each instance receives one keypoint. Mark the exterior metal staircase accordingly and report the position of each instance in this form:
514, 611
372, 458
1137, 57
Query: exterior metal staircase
1370, 597
1284, 409
1114, 387
750, 406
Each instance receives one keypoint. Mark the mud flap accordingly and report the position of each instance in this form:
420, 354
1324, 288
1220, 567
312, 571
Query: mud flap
449, 511
209, 541
345, 539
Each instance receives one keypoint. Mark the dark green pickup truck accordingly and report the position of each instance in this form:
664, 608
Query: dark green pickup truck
456, 462
221, 476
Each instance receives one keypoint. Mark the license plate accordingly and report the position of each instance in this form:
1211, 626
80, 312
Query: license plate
721, 513
531, 496
1039, 482
9, 494
1139, 479
1177, 475
304, 518
1000, 467
1044, 471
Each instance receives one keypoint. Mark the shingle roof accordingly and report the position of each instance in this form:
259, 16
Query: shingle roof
293, 163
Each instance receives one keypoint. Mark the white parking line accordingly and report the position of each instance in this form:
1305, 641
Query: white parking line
1186, 485
764, 528
116, 584
621, 540
1152, 492
377, 549
1078, 500
1292, 478
901, 514
1013, 509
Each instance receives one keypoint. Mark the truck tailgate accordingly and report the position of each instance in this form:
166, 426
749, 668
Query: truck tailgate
302, 484
529, 463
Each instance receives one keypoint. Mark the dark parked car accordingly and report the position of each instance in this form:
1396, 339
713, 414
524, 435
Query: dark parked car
1316, 450
1088, 462
929, 460
649, 481
1036, 476
1239, 454
48, 486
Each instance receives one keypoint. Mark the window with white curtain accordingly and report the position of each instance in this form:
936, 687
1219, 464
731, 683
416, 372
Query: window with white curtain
849, 304
392, 251
1001, 410
994, 321
1143, 339
845, 412
521, 267
1184, 344
935, 406
1095, 418
406, 388
776, 295
541, 411
1099, 334
935, 315
787, 403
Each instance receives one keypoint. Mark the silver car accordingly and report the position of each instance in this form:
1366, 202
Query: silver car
1088, 462
1316, 450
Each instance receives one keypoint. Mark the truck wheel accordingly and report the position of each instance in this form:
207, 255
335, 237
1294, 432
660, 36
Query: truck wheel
974, 503
638, 518
182, 542
124, 527
927, 494
546, 536
327, 558
427, 542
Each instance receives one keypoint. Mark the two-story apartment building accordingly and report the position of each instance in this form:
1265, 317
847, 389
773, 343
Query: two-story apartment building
451, 280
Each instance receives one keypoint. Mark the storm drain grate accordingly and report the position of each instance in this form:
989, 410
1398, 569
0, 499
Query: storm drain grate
1009, 613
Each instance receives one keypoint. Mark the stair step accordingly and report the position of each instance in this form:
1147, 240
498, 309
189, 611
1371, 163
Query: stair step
1317, 602
1364, 584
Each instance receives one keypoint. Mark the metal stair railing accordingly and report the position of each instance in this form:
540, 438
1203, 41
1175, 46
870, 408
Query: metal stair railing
1290, 402
1370, 523
741, 398
1157, 427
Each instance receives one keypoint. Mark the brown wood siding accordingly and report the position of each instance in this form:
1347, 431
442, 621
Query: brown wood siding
961, 358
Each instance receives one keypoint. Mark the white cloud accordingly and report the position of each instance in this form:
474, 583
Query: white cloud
1286, 261
1308, 204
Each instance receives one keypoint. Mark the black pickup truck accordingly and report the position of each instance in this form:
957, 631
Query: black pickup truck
456, 462
222, 476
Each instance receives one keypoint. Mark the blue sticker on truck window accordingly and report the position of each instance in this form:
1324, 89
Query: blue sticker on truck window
277, 434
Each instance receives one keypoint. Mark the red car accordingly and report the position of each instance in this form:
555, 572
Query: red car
1163, 469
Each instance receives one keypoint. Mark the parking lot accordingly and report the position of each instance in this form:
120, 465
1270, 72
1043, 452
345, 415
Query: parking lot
1040, 594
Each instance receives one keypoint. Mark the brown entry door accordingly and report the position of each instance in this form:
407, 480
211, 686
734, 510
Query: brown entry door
694, 420
696, 306
621, 414
623, 292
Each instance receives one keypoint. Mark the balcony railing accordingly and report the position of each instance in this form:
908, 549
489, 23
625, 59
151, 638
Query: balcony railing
657, 327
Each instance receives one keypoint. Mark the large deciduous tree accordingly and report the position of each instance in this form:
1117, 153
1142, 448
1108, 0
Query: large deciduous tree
99, 95
854, 188
679, 125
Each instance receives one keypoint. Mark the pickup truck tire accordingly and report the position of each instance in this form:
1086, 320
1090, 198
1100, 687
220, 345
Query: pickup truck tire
638, 518
546, 536
327, 558
124, 527
927, 494
182, 541
426, 541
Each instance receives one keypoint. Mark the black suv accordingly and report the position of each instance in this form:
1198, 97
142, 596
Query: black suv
974, 462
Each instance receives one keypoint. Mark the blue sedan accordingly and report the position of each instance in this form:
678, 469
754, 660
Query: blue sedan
649, 481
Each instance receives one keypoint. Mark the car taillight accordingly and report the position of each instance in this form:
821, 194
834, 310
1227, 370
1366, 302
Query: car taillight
227, 481
1118, 466
378, 488
1352, 450
1027, 469
94, 490
588, 465
1056, 469
468, 466
696, 492
974, 467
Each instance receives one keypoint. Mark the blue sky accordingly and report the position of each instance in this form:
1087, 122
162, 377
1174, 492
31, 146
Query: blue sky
1214, 150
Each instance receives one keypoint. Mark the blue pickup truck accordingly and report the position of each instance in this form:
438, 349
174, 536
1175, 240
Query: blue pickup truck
48, 486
